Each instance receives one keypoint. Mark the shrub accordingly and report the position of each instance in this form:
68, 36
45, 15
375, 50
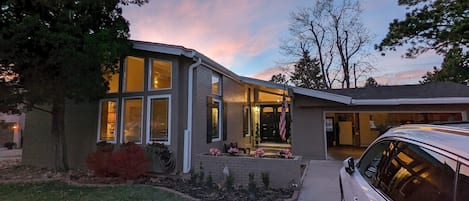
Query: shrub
9, 145
201, 174
100, 162
194, 176
265, 179
252, 183
105, 146
209, 181
229, 182
129, 161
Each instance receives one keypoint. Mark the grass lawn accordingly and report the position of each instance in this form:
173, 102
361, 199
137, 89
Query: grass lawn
52, 191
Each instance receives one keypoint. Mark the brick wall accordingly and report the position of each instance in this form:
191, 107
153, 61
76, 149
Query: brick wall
282, 172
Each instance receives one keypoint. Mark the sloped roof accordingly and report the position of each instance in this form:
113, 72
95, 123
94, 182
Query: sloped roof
430, 90
431, 93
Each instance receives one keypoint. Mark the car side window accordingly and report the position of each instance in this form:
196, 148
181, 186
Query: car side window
370, 161
462, 192
414, 173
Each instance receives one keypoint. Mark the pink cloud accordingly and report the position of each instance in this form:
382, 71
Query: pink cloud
222, 30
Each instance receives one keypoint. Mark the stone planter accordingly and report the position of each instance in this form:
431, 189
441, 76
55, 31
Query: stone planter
282, 172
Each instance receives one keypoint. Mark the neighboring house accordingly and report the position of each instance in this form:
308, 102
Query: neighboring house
11, 127
177, 96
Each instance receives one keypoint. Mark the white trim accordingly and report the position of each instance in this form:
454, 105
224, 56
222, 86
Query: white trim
220, 120
411, 101
117, 123
323, 95
163, 48
124, 76
150, 81
123, 116
149, 99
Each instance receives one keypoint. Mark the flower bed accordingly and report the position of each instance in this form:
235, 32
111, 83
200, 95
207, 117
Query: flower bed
283, 173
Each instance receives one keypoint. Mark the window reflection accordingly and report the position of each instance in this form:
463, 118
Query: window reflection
160, 75
159, 119
216, 84
134, 74
132, 116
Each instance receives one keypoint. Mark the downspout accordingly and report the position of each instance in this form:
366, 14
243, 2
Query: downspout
188, 131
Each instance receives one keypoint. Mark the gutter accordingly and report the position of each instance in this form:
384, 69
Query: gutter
188, 132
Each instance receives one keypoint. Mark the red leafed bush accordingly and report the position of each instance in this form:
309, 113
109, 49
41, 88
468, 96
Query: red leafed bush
99, 162
129, 161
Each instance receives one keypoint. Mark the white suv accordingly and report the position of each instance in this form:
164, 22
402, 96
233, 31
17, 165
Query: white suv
411, 162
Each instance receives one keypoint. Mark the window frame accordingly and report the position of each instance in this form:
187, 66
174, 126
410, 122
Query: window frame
150, 65
220, 120
148, 118
125, 75
98, 139
123, 116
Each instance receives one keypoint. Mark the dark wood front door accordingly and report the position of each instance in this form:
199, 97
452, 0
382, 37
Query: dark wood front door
269, 120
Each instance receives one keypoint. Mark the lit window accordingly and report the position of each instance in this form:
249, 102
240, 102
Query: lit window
160, 75
159, 118
107, 123
132, 120
134, 74
216, 120
216, 84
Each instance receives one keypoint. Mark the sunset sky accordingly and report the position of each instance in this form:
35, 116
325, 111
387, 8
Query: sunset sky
245, 35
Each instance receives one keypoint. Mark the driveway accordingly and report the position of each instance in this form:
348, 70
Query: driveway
321, 182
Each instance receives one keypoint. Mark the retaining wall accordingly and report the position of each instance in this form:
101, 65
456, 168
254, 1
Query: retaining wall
282, 172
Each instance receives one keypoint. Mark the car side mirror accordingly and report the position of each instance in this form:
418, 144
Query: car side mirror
349, 165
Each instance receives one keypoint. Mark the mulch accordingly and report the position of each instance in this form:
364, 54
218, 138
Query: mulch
11, 171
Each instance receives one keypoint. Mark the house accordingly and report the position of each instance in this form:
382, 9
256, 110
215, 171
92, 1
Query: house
11, 127
178, 96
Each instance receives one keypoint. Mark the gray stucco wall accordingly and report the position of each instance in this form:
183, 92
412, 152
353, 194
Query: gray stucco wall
37, 147
233, 97
80, 135
307, 129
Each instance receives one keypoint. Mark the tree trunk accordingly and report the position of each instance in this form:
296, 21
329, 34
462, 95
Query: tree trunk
58, 133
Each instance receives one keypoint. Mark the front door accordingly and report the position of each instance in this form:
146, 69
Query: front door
269, 121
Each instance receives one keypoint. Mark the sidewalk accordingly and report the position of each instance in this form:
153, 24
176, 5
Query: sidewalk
9, 154
321, 182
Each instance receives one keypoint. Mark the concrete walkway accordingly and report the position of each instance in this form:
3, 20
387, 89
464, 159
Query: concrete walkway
9, 154
321, 182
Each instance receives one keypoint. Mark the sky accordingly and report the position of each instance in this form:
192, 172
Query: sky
245, 35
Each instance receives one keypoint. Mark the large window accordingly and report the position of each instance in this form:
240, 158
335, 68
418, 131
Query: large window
160, 74
159, 118
133, 74
132, 120
113, 79
107, 122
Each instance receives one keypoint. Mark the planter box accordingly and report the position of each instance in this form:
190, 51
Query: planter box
282, 172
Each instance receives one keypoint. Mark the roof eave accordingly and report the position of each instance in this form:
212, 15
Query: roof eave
412, 101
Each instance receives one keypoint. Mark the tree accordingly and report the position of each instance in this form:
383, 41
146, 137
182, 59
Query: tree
307, 73
454, 68
371, 82
58, 51
438, 25
333, 33
279, 78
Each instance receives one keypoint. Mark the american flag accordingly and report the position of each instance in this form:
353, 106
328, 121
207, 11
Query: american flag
283, 121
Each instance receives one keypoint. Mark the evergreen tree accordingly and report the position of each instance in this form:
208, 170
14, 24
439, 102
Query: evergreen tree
454, 68
55, 51
279, 78
371, 82
307, 73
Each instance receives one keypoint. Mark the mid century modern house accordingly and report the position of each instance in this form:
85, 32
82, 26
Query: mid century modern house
11, 127
177, 96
